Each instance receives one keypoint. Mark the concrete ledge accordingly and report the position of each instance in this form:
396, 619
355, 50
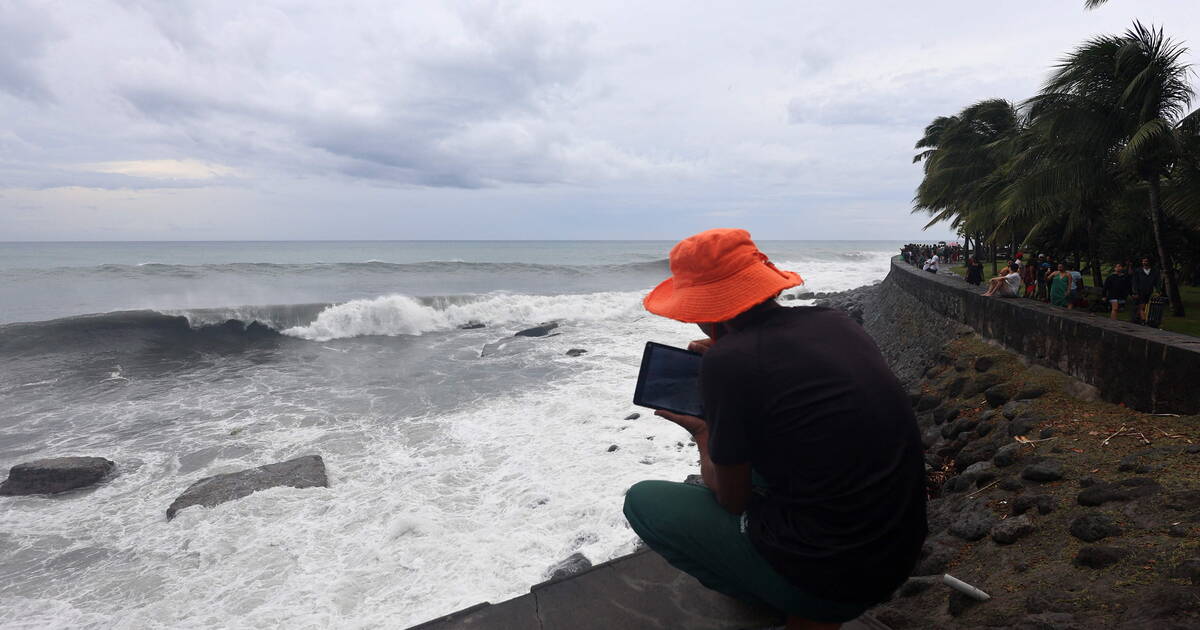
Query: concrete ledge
636, 591
1146, 369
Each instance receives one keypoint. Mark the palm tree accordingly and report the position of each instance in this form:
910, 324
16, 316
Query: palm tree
1139, 86
962, 157
1092, 4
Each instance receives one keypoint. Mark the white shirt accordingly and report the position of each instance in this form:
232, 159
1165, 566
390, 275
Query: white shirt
933, 263
1014, 283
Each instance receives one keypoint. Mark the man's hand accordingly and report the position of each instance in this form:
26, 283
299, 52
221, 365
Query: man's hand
691, 424
700, 345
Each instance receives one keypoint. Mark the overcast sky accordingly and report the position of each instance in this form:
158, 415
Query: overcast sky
295, 119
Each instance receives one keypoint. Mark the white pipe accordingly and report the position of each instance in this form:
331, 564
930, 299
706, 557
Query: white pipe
964, 588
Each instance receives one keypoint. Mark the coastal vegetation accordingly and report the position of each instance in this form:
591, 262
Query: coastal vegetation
1102, 165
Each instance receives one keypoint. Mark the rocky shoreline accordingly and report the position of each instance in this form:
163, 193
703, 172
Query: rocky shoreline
1067, 511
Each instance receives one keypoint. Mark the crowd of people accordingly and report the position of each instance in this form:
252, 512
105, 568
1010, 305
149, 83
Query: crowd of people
930, 257
1043, 278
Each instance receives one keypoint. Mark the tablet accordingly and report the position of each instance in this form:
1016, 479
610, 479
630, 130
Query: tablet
669, 380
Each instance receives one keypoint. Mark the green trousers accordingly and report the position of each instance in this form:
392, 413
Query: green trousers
687, 527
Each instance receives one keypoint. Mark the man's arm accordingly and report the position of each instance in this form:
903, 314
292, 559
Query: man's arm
731, 484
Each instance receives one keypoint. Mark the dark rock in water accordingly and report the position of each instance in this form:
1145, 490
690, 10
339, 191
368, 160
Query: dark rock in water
56, 474
695, 480
633, 416
575, 563
302, 472
1044, 504
1047, 469
983, 364
613, 448
1099, 556
1010, 530
1124, 490
973, 525
574, 352
471, 325
1093, 527
996, 395
541, 330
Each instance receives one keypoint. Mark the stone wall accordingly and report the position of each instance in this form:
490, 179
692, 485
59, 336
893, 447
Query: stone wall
1146, 369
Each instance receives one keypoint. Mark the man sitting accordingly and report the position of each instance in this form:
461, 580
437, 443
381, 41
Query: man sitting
809, 446
1007, 284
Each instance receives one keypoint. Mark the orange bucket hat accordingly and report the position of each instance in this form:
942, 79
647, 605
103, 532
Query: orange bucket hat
715, 276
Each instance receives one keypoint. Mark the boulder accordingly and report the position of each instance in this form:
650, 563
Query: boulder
1093, 527
927, 402
936, 554
471, 325
612, 448
1010, 530
1124, 490
1029, 392
980, 472
574, 563
1013, 408
983, 364
1188, 570
1044, 504
977, 451
1099, 556
917, 585
302, 472
56, 474
1182, 501
996, 395
1022, 425
1146, 461
974, 524
574, 352
633, 416
1011, 484
1007, 455
982, 383
1044, 470
541, 330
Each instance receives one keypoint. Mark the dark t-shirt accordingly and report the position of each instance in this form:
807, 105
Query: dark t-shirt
805, 397
1117, 287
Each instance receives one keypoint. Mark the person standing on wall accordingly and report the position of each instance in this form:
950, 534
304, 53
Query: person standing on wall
974, 271
1145, 281
815, 497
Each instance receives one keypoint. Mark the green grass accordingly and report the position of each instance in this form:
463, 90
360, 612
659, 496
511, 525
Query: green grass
1189, 325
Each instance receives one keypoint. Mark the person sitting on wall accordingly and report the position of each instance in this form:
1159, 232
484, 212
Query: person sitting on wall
1007, 284
815, 497
1117, 288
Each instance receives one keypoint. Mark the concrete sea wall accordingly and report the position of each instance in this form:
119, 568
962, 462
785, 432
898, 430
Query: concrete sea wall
1145, 369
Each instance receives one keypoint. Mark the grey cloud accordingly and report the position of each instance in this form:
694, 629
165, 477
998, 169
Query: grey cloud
25, 33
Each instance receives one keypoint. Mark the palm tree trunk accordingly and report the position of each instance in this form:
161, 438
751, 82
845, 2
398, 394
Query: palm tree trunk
1167, 265
1094, 252
995, 269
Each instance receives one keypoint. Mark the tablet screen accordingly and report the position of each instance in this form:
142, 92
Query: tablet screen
669, 380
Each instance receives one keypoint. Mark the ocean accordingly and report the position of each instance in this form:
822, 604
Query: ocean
455, 478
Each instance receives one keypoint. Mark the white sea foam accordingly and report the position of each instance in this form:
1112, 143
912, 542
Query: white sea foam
403, 315
431, 507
